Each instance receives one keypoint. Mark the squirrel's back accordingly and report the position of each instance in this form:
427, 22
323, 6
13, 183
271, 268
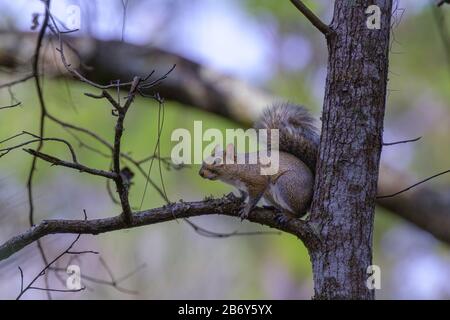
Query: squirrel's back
297, 133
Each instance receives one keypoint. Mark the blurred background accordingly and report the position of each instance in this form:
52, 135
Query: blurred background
269, 45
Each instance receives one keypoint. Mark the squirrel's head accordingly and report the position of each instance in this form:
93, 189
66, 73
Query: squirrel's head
213, 166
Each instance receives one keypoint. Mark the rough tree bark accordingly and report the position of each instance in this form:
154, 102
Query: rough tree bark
351, 140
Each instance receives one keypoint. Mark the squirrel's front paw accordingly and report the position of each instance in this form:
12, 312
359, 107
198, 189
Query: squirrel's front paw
281, 219
245, 212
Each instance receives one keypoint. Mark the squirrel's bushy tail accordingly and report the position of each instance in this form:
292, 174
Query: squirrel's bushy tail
298, 135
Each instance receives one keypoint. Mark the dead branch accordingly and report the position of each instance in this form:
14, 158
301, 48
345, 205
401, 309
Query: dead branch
315, 20
13, 83
73, 165
413, 186
30, 286
229, 205
5, 151
114, 284
43, 112
11, 106
400, 142
425, 206
121, 181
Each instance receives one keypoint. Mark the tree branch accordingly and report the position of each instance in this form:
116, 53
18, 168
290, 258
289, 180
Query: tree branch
43, 272
315, 20
122, 182
402, 141
228, 205
11, 106
74, 165
13, 83
426, 206
413, 185
43, 112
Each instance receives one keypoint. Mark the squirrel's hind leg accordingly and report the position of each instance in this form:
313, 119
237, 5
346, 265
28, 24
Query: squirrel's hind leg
284, 217
253, 198
281, 216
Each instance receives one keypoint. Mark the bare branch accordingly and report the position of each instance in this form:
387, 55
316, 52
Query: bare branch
412, 186
113, 282
12, 83
75, 73
111, 193
82, 144
43, 112
11, 106
402, 141
104, 142
427, 207
56, 290
74, 165
38, 139
228, 205
208, 233
315, 20
167, 161
122, 182
92, 279
43, 272
105, 94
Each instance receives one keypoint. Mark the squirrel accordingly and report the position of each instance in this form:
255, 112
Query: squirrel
290, 189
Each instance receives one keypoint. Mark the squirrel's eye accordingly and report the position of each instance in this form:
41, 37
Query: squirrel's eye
217, 161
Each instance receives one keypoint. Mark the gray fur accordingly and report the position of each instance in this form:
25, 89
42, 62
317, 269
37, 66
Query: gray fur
298, 135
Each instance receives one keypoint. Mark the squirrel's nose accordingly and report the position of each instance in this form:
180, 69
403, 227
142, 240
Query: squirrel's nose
201, 173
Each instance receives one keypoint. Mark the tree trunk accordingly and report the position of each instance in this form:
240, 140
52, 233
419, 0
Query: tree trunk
347, 170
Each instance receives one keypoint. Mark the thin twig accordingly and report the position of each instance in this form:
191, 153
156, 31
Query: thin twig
74, 165
99, 281
113, 282
75, 73
43, 272
402, 141
43, 111
11, 106
12, 83
121, 182
210, 234
315, 20
38, 139
56, 290
124, 17
109, 146
414, 185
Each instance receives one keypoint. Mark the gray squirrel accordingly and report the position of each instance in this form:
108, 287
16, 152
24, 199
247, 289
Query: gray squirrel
290, 190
